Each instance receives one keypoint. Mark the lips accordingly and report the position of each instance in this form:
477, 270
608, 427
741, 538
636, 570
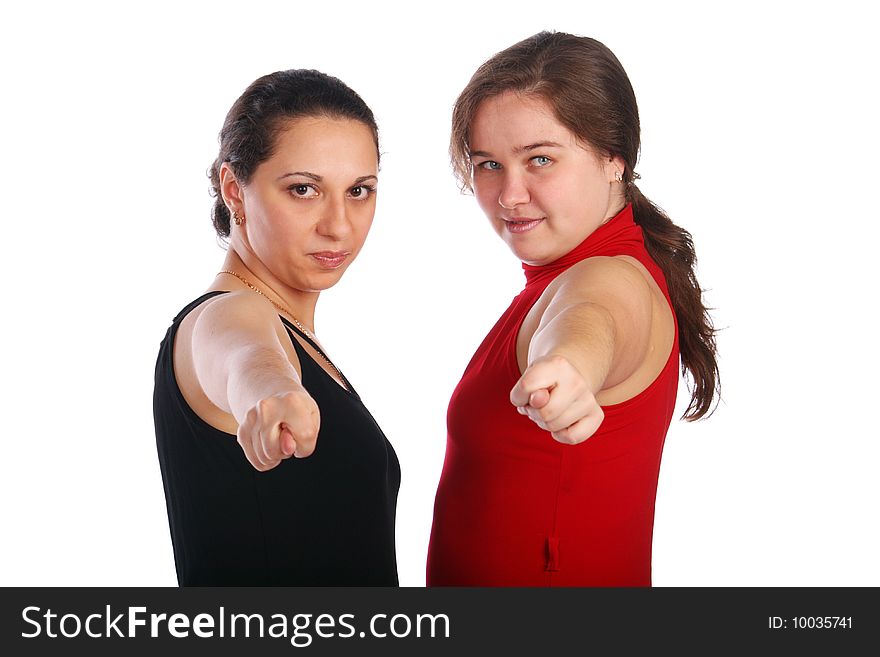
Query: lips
521, 224
330, 259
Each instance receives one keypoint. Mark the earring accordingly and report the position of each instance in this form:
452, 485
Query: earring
237, 219
618, 176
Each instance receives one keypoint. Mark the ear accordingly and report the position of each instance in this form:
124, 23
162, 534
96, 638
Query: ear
612, 166
230, 189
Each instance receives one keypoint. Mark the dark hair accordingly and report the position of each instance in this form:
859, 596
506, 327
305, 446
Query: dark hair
591, 95
252, 125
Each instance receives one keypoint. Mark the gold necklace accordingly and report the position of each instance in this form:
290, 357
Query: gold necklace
298, 324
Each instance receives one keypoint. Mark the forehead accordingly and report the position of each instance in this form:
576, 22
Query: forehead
317, 142
513, 121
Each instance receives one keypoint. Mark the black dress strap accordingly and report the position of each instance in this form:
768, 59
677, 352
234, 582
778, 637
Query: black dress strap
189, 307
315, 346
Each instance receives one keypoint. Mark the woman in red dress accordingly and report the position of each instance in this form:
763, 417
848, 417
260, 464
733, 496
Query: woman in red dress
546, 135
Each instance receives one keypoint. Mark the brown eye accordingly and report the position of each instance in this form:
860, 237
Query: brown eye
303, 191
361, 192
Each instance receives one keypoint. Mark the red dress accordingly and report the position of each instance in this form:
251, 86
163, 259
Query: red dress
514, 507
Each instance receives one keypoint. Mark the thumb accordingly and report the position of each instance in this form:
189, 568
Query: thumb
288, 444
539, 398
533, 386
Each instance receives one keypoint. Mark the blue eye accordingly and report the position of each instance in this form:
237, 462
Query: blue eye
541, 160
490, 165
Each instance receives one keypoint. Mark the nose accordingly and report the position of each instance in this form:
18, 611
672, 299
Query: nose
513, 191
334, 222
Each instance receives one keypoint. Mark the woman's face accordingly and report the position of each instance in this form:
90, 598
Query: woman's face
309, 207
542, 190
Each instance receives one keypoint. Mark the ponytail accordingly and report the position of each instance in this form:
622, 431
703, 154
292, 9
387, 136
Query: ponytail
672, 249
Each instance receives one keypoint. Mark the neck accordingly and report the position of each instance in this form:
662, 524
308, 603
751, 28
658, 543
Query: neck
300, 303
616, 204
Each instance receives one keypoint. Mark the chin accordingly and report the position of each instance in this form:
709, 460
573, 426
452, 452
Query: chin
326, 280
531, 256
317, 285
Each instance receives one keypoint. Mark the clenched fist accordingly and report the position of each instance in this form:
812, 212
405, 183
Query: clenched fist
278, 427
557, 398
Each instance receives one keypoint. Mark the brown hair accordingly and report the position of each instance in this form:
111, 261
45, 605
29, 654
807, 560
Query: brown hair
591, 95
255, 119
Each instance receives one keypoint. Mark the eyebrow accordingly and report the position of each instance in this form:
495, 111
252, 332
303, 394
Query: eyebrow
537, 145
317, 178
304, 174
521, 149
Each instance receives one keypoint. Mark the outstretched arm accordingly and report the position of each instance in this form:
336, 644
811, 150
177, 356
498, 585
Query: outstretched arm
244, 370
593, 334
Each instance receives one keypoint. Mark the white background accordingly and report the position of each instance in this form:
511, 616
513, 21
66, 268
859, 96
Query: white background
759, 136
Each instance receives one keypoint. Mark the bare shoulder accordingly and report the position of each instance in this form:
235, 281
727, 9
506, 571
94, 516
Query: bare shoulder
239, 319
610, 281
643, 323
211, 332
615, 284
235, 312
238, 308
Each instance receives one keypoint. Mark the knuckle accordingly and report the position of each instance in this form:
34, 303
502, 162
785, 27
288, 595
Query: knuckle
291, 398
569, 435
561, 436
557, 426
252, 415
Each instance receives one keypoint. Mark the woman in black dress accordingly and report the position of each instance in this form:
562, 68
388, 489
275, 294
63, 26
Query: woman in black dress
242, 382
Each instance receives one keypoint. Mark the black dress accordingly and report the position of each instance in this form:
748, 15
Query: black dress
325, 520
